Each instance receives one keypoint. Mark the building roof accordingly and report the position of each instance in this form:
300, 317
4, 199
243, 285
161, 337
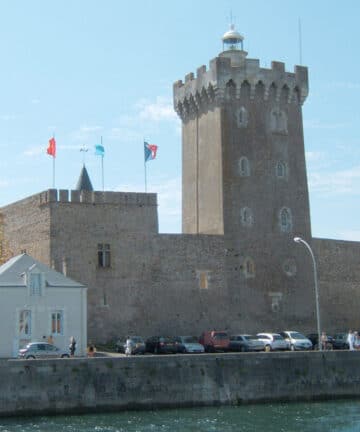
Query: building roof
84, 182
13, 271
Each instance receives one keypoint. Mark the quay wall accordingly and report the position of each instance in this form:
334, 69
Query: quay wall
42, 387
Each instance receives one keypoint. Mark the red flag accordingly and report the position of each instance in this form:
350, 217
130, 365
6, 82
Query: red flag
51, 150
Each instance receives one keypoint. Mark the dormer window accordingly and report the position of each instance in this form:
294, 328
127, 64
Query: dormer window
35, 282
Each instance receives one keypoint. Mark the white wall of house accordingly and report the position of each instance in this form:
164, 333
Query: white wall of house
68, 304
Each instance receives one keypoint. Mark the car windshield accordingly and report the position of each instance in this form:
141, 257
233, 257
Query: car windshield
251, 337
137, 339
296, 335
189, 339
278, 337
221, 336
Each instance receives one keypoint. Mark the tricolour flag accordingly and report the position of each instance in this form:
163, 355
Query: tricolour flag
99, 150
51, 150
150, 151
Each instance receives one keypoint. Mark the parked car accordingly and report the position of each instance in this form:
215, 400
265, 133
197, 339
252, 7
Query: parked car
340, 341
314, 339
137, 345
297, 341
189, 344
161, 345
41, 350
273, 341
215, 341
245, 342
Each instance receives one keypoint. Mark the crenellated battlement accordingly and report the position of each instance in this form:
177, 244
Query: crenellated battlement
231, 70
97, 197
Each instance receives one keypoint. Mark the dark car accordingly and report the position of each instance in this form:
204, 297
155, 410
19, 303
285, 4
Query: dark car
314, 339
136, 342
245, 342
162, 345
340, 341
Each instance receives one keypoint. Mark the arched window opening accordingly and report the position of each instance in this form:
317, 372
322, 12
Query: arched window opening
285, 220
241, 117
281, 169
278, 121
244, 167
249, 268
246, 216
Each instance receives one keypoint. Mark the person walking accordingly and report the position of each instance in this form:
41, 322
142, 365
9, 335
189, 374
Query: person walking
350, 340
128, 346
72, 346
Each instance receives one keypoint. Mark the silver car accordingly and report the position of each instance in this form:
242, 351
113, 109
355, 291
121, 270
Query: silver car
273, 341
297, 341
189, 344
39, 350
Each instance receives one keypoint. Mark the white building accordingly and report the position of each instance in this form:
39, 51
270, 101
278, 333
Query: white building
36, 302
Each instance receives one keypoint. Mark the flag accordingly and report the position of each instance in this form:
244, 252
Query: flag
150, 151
99, 150
51, 150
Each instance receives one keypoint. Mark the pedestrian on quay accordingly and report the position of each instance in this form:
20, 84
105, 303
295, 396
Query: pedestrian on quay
72, 346
356, 341
128, 346
350, 340
323, 341
91, 350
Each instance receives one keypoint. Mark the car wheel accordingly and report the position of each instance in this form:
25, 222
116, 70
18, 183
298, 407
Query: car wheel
292, 348
267, 348
30, 357
65, 356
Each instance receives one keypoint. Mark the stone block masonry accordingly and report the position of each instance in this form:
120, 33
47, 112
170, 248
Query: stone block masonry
40, 387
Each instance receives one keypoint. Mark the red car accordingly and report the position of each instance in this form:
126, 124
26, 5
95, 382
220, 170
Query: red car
215, 341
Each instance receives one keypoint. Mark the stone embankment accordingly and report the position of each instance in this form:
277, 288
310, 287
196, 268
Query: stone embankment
30, 387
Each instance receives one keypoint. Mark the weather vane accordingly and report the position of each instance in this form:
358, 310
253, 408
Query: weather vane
84, 150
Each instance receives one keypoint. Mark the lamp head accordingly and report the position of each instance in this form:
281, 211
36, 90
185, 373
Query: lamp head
297, 239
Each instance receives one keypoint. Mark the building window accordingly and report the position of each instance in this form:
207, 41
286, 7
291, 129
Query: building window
203, 276
249, 268
25, 323
278, 121
246, 216
103, 255
35, 284
57, 323
285, 220
244, 167
281, 169
241, 117
289, 267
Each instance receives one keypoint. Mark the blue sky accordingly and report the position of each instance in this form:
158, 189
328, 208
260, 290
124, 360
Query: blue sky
86, 69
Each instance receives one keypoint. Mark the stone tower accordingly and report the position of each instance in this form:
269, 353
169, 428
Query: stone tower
244, 174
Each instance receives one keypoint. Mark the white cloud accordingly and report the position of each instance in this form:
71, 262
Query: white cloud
317, 124
85, 132
160, 110
169, 200
7, 117
314, 156
344, 85
336, 182
35, 151
350, 235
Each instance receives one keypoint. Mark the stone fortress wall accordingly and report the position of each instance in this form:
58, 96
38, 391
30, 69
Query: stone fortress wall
245, 197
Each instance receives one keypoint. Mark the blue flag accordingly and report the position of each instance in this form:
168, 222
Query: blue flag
99, 150
149, 151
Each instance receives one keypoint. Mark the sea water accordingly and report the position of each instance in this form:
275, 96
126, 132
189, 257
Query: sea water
334, 416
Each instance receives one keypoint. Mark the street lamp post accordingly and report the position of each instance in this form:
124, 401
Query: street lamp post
300, 240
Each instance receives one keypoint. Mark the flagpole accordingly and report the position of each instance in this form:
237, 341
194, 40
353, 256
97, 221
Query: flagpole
54, 166
145, 166
102, 167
